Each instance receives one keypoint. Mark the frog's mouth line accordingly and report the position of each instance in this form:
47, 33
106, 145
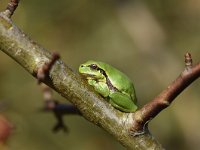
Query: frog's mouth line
108, 82
88, 75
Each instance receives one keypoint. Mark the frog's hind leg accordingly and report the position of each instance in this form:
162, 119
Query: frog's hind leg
122, 102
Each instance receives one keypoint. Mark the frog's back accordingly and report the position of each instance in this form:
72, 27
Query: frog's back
118, 79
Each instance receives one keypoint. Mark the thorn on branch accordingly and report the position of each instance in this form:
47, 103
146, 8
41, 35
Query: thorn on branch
188, 61
43, 72
11, 7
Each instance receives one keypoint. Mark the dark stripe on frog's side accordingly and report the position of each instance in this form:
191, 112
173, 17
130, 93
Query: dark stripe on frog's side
108, 82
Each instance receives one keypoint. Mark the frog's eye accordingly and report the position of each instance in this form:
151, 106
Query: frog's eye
93, 66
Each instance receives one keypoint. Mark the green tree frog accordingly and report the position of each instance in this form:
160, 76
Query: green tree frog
112, 84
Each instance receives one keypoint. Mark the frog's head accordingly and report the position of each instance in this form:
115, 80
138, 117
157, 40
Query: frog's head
91, 70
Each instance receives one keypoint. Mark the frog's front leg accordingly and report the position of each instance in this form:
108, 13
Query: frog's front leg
122, 102
100, 87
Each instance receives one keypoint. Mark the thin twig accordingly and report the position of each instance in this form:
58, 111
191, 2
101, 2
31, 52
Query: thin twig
164, 99
58, 109
11, 7
188, 61
43, 72
54, 105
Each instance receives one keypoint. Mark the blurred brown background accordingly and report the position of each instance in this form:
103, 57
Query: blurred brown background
145, 39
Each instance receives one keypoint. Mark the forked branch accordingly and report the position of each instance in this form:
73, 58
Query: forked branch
164, 99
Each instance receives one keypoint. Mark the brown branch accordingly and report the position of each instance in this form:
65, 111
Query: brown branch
11, 7
43, 72
164, 99
188, 61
